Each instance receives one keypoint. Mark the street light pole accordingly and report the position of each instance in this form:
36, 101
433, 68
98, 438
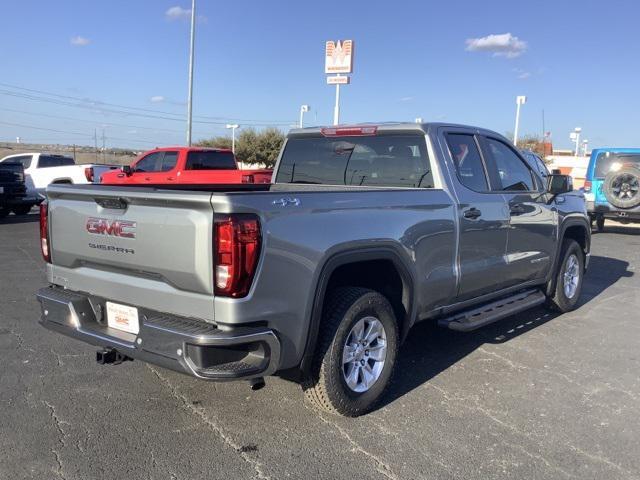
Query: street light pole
191, 54
303, 109
577, 131
233, 127
520, 100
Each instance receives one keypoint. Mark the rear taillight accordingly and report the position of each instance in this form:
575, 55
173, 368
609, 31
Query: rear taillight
248, 179
88, 173
587, 185
44, 232
236, 247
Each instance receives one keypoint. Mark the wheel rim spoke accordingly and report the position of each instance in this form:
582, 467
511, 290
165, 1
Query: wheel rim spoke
364, 354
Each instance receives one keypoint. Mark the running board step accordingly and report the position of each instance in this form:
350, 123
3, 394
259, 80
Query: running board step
492, 312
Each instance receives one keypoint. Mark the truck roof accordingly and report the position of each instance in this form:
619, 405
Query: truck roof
190, 149
381, 127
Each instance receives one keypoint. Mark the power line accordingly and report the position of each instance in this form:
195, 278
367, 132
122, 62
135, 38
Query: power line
97, 103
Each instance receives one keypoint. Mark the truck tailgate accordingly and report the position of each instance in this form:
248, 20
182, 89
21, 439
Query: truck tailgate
139, 246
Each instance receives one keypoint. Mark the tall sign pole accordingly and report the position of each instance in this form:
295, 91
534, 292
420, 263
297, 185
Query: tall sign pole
338, 60
191, 53
520, 100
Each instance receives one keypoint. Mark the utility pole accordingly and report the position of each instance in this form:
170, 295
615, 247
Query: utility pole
95, 142
191, 52
103, 145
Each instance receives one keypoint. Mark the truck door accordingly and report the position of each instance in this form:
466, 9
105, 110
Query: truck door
532, 236
155, 168
483, 219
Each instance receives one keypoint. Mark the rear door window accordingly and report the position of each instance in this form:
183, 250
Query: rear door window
467, 160
46, 161
379, 160
210, 160
512, 171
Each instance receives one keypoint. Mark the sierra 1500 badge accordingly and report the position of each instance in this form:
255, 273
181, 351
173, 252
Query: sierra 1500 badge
113, 228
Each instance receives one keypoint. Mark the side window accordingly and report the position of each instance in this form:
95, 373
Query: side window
466, 157
513, 173
150, 163
169, 161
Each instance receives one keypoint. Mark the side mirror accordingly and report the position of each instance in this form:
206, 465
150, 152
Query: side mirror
127, 170
558, 184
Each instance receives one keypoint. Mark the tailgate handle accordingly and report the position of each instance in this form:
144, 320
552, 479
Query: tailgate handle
115, 203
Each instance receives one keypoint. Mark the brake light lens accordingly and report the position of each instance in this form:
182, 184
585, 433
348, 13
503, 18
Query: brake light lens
247, 179
236, 248
349, 131
44, 232
587, 185
88, 173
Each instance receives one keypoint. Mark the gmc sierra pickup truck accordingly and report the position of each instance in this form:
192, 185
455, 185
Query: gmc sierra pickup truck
320, 276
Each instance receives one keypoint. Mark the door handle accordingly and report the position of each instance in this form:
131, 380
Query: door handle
516, 209
472, 213
147, 178
170, 179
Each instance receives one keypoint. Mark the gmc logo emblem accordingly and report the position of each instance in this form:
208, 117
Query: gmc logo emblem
114, 228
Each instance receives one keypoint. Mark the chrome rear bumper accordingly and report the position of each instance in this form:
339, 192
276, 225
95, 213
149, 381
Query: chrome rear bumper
189, 346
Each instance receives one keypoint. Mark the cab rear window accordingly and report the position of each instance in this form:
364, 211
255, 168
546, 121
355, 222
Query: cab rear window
609, 161
210, 160
381, 161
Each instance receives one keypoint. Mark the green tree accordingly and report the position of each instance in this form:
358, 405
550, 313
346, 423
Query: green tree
216, 142
252, 146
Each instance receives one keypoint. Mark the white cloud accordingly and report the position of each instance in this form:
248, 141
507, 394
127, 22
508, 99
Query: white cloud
501, 45
406, 99
79, 41
522, 74
157, 99
179, 13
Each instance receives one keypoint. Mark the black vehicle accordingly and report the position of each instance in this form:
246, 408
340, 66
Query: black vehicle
12, 188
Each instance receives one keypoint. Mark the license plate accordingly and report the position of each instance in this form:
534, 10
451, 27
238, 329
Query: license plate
123, 317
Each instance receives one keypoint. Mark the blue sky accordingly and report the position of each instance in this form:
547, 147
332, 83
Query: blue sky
258, 61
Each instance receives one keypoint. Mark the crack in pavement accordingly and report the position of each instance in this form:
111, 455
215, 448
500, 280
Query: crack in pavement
381, 466
257, 466
61, 437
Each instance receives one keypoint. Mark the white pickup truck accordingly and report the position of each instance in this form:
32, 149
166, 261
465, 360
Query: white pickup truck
43, 169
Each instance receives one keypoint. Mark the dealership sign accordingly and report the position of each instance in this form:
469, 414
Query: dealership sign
337, 80
338, 56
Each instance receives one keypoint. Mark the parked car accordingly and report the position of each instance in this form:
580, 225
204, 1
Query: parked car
318, 277
12, 189
42, 169
536, 163
612, 186
186, 165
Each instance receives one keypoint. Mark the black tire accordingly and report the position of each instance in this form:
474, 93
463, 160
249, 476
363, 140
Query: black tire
560, 299
22, 209
4, 212
600, 223
622, 188
326, 387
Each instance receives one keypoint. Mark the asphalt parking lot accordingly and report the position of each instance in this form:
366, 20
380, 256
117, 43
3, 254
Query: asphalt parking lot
534, 396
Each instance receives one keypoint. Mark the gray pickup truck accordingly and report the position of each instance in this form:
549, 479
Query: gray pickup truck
319, 276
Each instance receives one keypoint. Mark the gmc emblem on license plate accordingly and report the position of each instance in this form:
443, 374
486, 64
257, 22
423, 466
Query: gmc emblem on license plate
114, 228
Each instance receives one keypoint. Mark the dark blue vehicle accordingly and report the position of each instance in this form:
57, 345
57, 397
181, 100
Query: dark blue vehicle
612, 185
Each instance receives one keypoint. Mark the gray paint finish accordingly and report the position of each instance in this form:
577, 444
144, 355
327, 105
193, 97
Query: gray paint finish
450, 259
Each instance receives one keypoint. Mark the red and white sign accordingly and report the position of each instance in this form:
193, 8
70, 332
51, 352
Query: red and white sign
338, 80
338, 56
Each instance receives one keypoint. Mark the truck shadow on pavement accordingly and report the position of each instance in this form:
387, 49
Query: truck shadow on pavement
430, 350
16, 219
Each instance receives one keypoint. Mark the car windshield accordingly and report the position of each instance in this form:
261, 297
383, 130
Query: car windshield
385, 160
609, 161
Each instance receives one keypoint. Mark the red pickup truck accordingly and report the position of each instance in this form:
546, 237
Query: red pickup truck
185, 165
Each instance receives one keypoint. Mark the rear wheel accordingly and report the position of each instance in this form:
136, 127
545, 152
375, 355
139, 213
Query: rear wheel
356, 352
22, 209
569, 277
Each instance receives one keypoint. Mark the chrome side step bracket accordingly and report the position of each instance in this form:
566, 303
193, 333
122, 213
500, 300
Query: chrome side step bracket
477, 317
